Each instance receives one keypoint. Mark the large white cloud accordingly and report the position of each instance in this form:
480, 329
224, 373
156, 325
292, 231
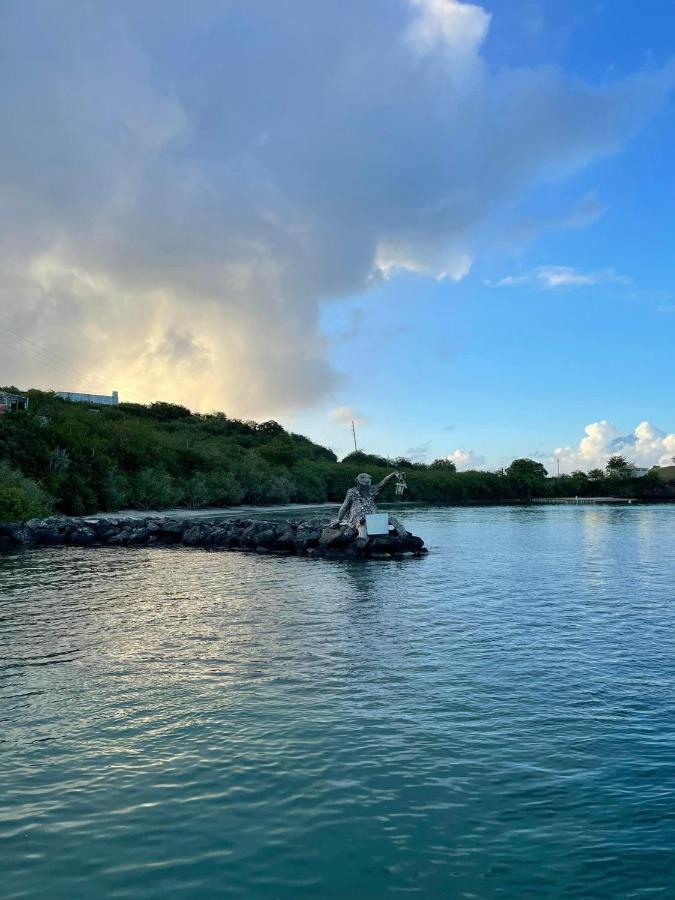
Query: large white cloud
183, 187
466, 460
645, 446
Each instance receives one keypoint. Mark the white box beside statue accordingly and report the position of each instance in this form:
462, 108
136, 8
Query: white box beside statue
377, 523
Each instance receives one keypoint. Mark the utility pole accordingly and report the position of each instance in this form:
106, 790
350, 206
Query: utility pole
558, 461
356, 449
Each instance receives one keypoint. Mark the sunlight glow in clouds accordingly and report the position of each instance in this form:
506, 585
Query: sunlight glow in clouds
181, 194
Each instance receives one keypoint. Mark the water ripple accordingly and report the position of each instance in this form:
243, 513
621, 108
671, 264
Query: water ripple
495, 720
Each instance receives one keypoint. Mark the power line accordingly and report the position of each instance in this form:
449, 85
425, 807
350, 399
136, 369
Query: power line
28, 347
51, 364
49, 354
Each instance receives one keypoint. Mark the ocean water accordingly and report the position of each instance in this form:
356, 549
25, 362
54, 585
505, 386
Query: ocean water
494, 720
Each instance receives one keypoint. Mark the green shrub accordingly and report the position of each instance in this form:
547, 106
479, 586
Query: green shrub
225, 489
196, 491
12, 504
277, 489
308, 487
21, 498
154, 489
115, 490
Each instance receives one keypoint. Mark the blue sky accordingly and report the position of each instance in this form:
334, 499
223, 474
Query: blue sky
450, 221
522, 370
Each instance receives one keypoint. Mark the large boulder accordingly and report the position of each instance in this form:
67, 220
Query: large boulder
337, 536
219, 537
10, 535
52, 530
85, 537
139, 535
265, 538
285, 539
170, 531
195, 535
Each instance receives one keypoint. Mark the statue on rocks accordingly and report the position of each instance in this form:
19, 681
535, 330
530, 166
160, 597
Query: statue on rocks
360, 502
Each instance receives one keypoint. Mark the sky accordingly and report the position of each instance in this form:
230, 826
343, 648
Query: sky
448, 222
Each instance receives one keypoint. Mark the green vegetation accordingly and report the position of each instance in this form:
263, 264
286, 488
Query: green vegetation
20, 497
618, 466
528, 476
77, 459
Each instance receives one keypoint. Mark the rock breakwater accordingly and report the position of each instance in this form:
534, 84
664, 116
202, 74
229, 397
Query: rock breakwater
310, 537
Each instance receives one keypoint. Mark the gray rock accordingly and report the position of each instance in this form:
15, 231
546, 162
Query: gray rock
138, 535
13, 534
338, 536
285, 543
194, 536
83, 536
329, 536
171, 527
219, 537
265, 538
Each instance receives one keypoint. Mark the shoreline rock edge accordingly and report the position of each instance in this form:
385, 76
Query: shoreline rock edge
312, 537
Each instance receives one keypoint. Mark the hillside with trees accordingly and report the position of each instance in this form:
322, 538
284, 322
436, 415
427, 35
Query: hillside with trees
78, 459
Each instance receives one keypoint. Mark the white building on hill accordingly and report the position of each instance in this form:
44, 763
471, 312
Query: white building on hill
104, 399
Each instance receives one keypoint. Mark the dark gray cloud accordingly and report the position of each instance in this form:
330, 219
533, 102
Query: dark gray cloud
183, 185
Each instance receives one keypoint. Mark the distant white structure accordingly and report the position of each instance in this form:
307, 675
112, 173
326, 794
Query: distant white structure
103, 399
638, 472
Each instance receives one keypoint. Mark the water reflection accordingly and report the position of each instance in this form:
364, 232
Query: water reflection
495, 718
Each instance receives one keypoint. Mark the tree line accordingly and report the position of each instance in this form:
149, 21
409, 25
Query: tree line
73, 458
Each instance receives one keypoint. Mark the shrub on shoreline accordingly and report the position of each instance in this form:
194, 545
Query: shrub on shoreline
20, 497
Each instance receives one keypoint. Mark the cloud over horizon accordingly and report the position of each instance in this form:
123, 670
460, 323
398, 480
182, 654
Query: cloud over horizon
466, 460
646, 446
182, 193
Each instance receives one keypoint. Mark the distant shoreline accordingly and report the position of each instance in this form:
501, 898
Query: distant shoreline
63, 457
236, 511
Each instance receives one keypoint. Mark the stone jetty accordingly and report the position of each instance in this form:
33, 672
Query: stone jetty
311, 537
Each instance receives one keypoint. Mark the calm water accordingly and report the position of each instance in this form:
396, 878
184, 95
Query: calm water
496, 720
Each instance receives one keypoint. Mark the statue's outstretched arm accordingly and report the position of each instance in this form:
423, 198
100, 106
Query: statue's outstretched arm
385, 481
